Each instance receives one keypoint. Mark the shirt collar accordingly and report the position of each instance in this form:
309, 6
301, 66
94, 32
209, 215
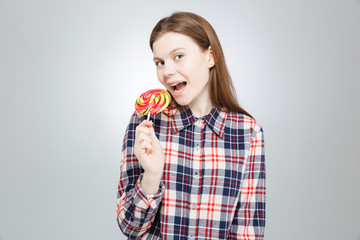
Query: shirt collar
215, 120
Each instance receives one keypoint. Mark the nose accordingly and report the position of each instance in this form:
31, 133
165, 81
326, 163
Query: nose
169, 69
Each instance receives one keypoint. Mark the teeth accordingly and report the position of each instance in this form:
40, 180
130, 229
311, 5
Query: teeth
173, 86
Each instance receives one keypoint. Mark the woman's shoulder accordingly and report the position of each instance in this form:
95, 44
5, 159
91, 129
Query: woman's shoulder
242, 121
134, 117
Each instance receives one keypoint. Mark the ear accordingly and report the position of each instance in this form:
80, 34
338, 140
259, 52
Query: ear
210, 57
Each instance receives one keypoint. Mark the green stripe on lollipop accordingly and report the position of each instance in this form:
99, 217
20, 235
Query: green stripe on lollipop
152, 102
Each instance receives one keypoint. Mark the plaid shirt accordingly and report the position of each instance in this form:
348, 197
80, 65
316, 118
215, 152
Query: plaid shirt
213, 184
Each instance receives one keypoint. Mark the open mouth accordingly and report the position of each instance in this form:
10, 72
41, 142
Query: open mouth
179, 86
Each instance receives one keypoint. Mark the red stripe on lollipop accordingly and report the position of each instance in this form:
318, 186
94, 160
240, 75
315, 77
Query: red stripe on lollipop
152, 102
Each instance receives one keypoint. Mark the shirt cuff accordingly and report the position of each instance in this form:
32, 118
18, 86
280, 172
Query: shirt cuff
145, 201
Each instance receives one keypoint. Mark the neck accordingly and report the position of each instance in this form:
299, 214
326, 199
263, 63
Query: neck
201, 105
201, 109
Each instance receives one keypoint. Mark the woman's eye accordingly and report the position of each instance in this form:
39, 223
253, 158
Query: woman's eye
177, 57
159, 64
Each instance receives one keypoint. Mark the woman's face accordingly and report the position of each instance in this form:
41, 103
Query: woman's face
183, 68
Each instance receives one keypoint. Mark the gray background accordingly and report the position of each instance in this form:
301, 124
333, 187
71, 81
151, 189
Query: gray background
71, 70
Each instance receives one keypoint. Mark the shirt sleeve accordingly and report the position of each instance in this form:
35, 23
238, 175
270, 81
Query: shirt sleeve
135, 209
249, 219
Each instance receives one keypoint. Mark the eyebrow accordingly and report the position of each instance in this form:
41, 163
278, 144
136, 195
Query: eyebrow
170, 53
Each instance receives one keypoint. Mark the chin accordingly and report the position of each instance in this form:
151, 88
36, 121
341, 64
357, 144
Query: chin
182, 103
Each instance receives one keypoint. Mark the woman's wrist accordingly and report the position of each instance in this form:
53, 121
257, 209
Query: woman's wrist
150, 183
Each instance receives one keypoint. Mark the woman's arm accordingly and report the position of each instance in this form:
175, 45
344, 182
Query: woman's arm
249, 219
136, 210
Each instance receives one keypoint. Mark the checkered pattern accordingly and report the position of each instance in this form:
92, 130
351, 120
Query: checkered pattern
213, 186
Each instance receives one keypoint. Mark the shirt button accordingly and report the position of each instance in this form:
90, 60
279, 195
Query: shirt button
197, 146
196, 175
193, 206
198, 123
192, 237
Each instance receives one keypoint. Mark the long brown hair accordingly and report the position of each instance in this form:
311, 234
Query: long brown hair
222, 92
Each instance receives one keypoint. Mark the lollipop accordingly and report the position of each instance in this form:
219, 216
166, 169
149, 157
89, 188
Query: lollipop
152, 102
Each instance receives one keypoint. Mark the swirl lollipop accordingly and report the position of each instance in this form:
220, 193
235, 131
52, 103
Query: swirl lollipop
152, 102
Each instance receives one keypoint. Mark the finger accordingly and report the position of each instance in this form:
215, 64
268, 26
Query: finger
145, 146
142, 129
143, 137
142, 149
148, 124
145, 123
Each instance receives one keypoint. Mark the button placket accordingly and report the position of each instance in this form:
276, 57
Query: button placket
196, 183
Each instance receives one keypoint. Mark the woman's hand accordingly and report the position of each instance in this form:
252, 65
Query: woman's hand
150, 154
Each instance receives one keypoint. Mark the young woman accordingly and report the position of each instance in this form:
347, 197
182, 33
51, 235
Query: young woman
197, 170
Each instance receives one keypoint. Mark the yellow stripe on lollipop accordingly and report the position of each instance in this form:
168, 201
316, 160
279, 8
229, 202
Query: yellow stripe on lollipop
152, 102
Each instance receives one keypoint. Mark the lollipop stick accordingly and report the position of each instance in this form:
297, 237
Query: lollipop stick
148, 118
